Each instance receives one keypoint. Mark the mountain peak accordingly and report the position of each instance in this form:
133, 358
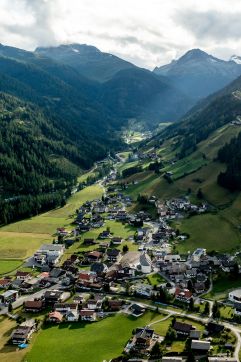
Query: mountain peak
236, 59
194, 54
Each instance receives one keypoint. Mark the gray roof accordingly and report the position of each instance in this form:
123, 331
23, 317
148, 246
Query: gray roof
200, 345
51, 247
145, 260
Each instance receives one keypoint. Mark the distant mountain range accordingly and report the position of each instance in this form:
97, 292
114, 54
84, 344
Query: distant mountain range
87, 60
199, 74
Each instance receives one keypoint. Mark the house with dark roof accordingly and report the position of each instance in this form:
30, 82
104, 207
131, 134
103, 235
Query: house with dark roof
182, 329
23, 332
113, 255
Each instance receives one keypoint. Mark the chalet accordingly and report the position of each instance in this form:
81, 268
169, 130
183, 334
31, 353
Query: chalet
94, 304
113, 254
52, 297
200, 346
137, 310
55, 317
104, 235
94, 256
23, 332
87, 276
21, 275
88, 315
143, 339
9, 296
89, 242
33, 306
116, 240
182, 329
183, 295
64, 308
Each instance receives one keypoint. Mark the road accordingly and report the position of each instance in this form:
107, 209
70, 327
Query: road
20, 301
234, 329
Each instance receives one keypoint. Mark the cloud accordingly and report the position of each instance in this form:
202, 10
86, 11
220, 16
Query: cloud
146, 33
215, 25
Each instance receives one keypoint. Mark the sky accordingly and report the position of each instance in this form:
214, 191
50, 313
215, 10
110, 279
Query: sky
148, 33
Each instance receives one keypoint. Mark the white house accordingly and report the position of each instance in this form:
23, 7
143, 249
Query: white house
198, 253
146, 263
49, 252
235, 296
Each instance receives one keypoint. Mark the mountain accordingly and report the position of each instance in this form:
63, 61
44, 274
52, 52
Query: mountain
38, 162
87, 60
222, 109
138, 93
69, 100
236, 59
199, 74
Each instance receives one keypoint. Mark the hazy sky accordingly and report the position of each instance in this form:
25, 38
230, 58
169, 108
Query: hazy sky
146, 32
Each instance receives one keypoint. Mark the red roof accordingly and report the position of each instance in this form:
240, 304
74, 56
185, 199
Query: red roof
4, 282
56, 315
95, 254
183, 293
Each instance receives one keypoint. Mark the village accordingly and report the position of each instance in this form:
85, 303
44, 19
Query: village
112, 274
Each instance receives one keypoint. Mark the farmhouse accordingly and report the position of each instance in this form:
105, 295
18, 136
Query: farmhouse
23, 332
182, 329
33, 306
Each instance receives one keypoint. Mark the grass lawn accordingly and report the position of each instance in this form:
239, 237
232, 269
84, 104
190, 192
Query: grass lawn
17, 245
212, 232
6, 266
226, 312
155, 279
222, 285
87, 342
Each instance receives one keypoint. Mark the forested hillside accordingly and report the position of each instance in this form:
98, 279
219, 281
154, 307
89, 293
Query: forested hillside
38, 164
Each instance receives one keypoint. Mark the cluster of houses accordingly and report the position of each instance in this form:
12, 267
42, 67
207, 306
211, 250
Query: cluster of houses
200, 341
178, 208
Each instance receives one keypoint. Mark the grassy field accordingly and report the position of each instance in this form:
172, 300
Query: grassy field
7, 266
87, 342
21, 239
211, 231
222, 285
155, 279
